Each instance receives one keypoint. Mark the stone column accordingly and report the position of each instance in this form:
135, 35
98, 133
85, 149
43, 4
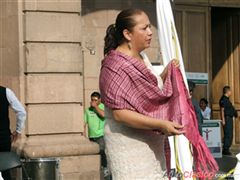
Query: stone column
9, 64
50, 43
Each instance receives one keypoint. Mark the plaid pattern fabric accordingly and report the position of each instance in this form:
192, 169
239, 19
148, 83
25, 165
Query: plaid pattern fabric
126, 83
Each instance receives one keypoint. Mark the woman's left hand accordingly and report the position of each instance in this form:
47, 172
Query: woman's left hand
175, 63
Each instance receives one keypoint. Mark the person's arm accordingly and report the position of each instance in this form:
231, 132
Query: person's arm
140, 121
222, 115
209, 113
20, 113
85, 125
99, 111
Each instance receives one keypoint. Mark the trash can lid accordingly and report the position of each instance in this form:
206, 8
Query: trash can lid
40, 159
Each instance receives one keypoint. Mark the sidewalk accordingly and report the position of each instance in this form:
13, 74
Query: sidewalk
227, 163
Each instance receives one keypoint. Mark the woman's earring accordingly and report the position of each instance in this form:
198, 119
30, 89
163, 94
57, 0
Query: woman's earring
129, 45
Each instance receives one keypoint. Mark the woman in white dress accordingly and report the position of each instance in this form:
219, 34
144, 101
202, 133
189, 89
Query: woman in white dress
134, 146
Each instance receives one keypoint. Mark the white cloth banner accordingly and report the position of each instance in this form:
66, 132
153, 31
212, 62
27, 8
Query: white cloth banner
237, 168
181, 157
169, 43
1, 178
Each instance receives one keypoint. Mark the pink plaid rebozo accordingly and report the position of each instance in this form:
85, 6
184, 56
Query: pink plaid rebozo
126, 83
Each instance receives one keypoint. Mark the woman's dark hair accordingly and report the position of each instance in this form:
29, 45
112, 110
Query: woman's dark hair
114, 34
204, 100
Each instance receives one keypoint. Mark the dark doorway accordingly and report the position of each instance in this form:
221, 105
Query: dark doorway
225, 25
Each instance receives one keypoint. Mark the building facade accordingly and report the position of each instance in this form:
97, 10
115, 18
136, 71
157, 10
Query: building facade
209, 35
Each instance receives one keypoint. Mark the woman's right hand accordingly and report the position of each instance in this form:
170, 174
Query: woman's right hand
172, 128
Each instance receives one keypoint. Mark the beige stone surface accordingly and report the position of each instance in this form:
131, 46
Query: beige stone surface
80, 167
53, 5
111, 15
57, 27
58, 146
59, 150
54, 118
95, 19
80, 164
92, 63
94, 175
9, 49
54, 88
53, 57
8, 30
91, 83
8, 8
54, 139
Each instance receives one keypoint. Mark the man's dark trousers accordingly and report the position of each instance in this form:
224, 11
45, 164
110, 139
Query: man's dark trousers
101, 142
5, 146
228, 133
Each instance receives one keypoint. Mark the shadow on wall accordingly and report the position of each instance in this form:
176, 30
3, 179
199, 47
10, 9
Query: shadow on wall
98, 15
89, 6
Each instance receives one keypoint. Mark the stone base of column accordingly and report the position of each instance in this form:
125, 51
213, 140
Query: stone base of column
79, 157
83, 167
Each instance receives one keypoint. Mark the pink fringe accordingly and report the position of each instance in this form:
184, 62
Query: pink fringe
205, 164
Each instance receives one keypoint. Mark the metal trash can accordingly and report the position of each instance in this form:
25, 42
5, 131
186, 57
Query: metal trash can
40, 169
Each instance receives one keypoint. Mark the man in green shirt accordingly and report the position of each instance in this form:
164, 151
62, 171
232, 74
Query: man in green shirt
95, 121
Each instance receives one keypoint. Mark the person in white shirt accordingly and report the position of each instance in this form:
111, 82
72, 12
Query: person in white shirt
8, 99
205, 110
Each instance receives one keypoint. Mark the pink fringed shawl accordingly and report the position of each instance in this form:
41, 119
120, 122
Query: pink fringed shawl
126, 83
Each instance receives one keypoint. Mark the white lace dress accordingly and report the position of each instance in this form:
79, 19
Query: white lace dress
133, 154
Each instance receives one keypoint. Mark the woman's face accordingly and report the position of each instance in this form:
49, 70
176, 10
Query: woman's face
141, 34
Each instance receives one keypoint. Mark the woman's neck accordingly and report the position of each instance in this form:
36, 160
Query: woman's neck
130, 52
